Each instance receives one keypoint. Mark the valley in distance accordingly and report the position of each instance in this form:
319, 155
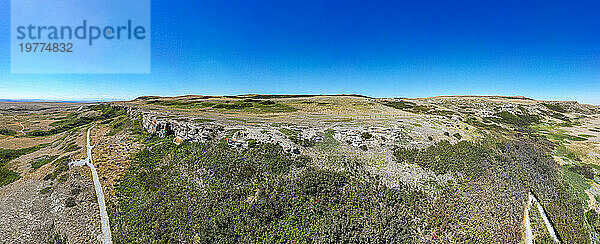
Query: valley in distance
301, 169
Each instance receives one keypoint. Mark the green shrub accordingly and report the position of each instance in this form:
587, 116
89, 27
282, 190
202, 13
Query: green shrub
458, 136
61, 166
119, 124
6, 155
41, 161
75, 191
322, 182
576, 183
46, 190
50, 177
70, 147
266, 102
57, 238
584, 170
402, 105
296, 137
328, 142
8, 176
464, 157
366, 135
591, 217
63, 178
563, 137
236, 105
418, 109
522, 120
70, 202
561, 117
555, 107
7, 132
290, 132
252, 143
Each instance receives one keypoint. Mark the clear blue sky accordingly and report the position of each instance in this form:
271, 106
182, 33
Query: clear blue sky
541, 49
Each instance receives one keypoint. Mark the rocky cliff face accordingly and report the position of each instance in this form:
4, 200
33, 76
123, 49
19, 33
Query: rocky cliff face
235, 136
163, 126
361, 138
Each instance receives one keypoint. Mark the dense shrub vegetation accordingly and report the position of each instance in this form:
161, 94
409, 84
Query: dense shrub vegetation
555, 107
41, 161
328, 142
465, 157
493, 183
8, 176
70, 146
61, 166
6, 155
418, 109
562, 117
211, 192
56, 237
206, 193
521, 120
7, 132
75, 120
118, 124
295, 136
584, 170
592, 219
457, 136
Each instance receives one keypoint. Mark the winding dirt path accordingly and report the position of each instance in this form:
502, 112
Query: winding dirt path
22, 126
23, 129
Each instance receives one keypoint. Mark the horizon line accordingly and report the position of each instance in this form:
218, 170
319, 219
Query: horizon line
96, 100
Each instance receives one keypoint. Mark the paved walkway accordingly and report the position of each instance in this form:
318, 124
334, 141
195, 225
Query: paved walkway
107, 239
